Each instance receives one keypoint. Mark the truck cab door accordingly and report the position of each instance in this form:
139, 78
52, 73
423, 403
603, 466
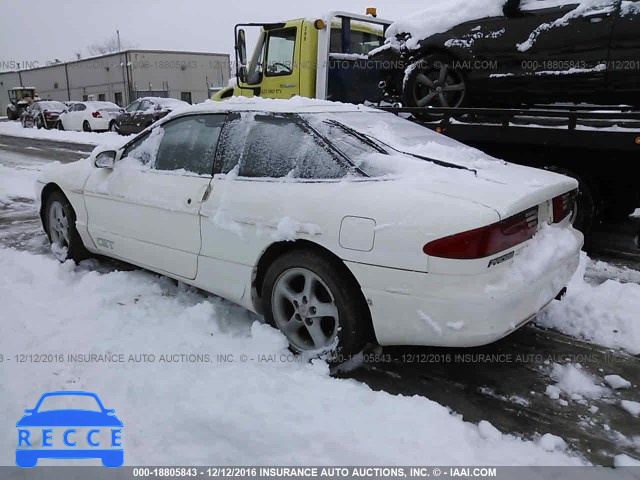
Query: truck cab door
274, 70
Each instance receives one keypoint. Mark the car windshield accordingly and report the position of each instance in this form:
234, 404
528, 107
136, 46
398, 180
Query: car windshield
381, 144
52, 105
69, 402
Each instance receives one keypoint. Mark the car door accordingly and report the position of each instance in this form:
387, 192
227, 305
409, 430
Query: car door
623, 68
126, 118
249, 199
146, 209
144, 115
77, 117
543, 53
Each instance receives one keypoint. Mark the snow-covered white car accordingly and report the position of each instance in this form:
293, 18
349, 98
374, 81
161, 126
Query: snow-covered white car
88, 116
339, 223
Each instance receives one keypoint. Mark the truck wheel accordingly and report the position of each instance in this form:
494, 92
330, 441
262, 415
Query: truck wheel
315, 303
434, 81
585, 215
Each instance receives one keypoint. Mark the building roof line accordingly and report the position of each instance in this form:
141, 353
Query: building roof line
114, 54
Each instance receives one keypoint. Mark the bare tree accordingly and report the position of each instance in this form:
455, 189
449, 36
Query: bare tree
108, 45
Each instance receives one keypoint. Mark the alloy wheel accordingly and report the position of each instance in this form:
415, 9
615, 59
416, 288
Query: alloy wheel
305, 311
58, 230
438, 85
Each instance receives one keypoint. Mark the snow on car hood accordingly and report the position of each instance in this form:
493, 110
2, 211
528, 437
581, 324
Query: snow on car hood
460, 171
442, 15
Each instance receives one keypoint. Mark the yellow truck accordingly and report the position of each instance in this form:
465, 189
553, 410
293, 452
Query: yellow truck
324, 58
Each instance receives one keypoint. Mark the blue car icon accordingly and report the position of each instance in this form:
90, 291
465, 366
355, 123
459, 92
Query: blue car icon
102, 426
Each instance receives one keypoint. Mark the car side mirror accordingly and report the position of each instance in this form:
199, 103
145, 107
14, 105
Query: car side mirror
106, 159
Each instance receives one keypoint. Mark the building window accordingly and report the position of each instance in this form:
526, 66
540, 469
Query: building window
85, 98
118, 98
185, 97
55, 84
102, 97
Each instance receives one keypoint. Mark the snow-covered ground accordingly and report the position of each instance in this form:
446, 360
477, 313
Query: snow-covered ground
606, 314
94, 138
198, 410
189, 406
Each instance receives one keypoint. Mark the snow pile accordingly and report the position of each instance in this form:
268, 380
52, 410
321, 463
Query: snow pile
439, 17
188, 407
551, 442
551, 246
18, 182
574, 382
623, 460
632, 407
606, 314
113, 139
617, 382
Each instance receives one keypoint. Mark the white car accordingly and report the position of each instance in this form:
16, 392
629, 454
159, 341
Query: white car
89, 116
340, 224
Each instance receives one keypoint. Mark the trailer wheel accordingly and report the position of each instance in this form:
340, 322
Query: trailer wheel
434, 81
586, 212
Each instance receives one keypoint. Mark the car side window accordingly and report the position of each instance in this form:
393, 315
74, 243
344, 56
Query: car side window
276, 146
145, 105
144, 148
189, 144
133, 107
80, 107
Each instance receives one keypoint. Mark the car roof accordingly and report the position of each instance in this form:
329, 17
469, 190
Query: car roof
257, 104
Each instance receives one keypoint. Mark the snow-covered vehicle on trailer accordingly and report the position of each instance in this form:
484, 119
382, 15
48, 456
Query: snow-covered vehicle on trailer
331, 58
19, 101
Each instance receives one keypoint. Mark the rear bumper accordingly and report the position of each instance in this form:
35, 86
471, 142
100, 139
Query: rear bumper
413, 308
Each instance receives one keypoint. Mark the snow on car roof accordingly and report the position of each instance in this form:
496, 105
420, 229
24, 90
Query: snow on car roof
294, 105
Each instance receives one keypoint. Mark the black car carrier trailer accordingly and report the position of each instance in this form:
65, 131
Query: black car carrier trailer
599, 146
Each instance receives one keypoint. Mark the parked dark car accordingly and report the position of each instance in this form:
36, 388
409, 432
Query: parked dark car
42, 114
536, 52
143, 112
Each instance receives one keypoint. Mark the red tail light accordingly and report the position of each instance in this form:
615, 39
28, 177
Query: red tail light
96, 115
563, 205
486, 241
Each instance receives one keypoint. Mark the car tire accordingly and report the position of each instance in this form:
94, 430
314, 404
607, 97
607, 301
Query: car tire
113, 127
10, 114
86, 127
433, 81
39, 122
60, 225
302, 283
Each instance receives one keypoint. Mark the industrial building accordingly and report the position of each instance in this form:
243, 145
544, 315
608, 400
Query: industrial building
121, 77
